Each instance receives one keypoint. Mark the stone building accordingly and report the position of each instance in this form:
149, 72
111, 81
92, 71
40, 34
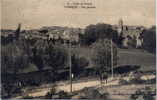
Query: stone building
131, 35
72, 35
62, 34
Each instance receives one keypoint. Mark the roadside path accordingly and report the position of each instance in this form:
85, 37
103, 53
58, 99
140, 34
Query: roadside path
41, 91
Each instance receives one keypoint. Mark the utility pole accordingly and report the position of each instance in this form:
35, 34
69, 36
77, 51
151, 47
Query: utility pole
70, 69
111, 58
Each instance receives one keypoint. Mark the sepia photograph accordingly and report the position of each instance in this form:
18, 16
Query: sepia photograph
78, 49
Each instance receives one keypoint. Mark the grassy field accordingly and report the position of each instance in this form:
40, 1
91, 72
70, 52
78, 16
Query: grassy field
145, 60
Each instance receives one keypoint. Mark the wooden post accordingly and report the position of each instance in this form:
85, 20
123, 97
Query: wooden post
112, 58
70, 69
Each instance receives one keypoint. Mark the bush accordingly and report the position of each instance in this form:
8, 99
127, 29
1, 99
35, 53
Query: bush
57, 57
146, 94
152, 81
50, 94
53, 94
10, 90
136, 81
27, 97
63, 95
91, 93
105, 95
123, 82
78, 64
135, 78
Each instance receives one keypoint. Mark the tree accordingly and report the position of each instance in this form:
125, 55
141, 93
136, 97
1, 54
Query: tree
95, 32
39, 52
13, 58
102, 57
149, 39
89, 37
78, 64
56, 57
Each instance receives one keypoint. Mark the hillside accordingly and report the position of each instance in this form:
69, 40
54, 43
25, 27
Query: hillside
138, 57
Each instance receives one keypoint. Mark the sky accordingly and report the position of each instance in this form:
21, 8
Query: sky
37, 13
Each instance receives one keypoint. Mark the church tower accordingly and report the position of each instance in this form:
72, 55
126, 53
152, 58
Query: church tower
120, 27
17, 32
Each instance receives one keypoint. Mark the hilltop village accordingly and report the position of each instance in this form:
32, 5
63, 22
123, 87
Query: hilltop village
129, 36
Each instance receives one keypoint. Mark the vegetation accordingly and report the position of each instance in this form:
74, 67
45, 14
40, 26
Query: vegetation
146, 94
27, 97
63, 94
78, 64
102, 57
91, 93
16, 57
56, 57
95, 32
149, 39
123, 82
136, 79
53, 94
13, 58
44, 61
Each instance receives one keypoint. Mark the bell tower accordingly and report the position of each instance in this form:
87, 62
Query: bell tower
17, 32
120, 27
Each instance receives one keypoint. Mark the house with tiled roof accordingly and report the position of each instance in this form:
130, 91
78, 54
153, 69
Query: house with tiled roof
131, 35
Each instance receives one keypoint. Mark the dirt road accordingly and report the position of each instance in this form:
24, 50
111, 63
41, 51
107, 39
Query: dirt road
76, 86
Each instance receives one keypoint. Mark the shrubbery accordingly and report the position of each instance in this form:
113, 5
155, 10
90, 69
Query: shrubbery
102, 55
27, 97
146, 94
78, 64
149, 39
91, 93
135, 78
21, 54
63, 95
95, 32
85, 93
53, 94
123, 82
